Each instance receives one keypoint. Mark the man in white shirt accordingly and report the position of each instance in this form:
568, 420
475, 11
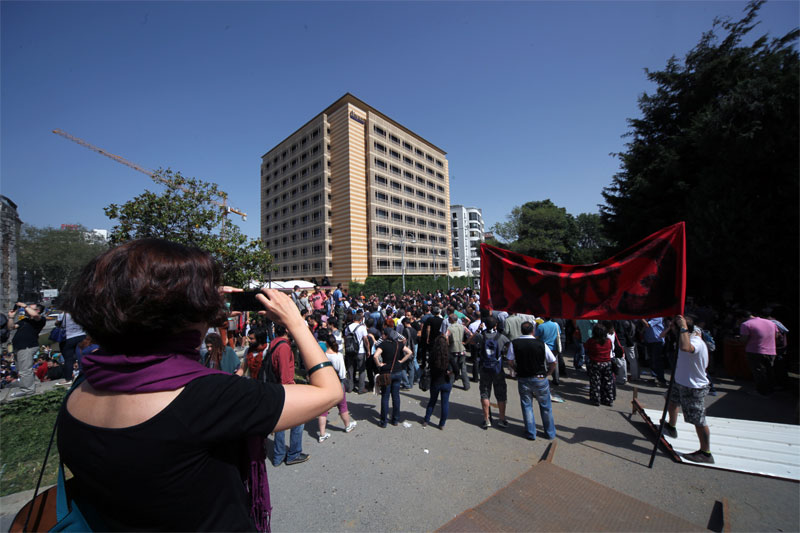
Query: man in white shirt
690, 388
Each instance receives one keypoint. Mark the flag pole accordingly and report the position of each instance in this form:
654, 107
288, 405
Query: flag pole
663, 415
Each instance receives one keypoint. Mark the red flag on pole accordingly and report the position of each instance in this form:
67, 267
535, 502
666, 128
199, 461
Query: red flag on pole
646, 280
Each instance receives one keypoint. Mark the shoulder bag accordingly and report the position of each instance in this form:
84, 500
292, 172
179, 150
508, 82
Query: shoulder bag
55, 509
385, 379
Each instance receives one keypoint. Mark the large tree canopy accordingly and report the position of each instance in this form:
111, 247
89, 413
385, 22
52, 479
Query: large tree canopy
543, 230
184, 213
52, 257
717, 147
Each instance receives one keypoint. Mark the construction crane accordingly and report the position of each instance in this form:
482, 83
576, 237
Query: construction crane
223, 204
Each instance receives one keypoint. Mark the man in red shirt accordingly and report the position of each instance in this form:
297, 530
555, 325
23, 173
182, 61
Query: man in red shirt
283, 366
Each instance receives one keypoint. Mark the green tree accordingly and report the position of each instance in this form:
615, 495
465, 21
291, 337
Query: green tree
592, 244
184, 213
543, 230
717, 147
52, 257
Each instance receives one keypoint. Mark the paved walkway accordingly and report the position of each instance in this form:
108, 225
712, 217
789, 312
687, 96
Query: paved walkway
410, 478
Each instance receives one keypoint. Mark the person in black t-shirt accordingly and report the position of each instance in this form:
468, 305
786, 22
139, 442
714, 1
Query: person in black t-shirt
26, 343
155, 440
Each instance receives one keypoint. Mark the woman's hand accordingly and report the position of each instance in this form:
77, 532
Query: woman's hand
279, 308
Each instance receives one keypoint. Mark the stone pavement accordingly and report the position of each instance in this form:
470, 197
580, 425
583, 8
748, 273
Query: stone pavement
410, 478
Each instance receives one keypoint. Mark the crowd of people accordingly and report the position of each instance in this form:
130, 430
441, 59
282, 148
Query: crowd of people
153, 341
435, 338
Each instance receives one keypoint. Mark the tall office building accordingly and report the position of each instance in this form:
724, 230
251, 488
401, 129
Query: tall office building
467, 224
344, 194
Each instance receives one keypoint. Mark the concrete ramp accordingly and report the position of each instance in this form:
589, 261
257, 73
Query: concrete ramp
550, 498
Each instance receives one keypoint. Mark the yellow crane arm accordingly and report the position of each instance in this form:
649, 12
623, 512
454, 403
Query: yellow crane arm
134, 166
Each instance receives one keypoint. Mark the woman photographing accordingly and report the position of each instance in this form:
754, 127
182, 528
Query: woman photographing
156, 440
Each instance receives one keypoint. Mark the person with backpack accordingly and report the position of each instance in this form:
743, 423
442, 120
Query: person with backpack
356, 348
280, 360
493, 346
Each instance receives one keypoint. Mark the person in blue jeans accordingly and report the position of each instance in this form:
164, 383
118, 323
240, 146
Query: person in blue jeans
534, 362
295, 454
389, 357
443, 365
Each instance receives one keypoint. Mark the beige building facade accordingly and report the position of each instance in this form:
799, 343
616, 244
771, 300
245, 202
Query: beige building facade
351, 194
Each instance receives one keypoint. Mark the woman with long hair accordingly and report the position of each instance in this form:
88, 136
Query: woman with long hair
601, 374
335, 357
442, 367
155, 440
218, 356
389, 357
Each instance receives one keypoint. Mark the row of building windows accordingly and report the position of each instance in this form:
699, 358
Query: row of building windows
291, 165
303, 219
314, 268
407, 160
296, 146
385, 248
410, 265
382, 197
316, 182
305, 188
406, 145
383, 180
304, 235
385, 214
382, 231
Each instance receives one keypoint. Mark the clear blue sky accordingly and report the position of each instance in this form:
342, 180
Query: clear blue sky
527, 98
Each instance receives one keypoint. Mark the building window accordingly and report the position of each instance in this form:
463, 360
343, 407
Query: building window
379, 131
379, 163
379, 147
380, 179
383, 197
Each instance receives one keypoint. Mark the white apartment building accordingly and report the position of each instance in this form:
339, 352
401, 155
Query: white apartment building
467, 228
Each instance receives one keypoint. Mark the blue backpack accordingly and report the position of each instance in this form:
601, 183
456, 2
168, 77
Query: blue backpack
491, 358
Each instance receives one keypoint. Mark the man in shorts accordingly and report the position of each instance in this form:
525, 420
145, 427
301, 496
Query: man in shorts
494, 345
690, 388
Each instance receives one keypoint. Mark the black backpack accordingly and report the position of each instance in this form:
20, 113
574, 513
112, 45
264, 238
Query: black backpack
350, 340
266, 374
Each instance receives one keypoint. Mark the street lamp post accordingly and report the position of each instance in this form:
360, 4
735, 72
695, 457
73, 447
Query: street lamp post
402, 240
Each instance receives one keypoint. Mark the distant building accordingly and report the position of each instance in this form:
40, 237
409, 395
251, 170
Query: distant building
342, 194
10, 224
467, 224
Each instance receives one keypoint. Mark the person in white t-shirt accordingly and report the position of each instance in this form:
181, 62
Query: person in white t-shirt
690, 388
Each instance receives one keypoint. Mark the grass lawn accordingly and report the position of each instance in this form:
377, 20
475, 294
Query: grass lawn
25, 428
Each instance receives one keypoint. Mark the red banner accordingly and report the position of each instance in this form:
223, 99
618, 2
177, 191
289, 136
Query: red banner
646, 280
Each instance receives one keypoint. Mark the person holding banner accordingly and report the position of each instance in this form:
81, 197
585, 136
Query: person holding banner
690, 388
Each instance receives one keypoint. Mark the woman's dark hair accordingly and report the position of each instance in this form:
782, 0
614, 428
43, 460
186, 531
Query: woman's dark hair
333, 346
134, 296
260, 334
599, 333
441, 353
214, 357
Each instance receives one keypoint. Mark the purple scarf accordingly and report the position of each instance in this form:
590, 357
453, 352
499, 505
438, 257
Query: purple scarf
174, 364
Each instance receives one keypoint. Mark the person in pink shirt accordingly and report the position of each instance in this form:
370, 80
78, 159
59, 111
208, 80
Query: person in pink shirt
759, 336
317, 299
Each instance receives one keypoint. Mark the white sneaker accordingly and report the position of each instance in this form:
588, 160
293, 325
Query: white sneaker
324, 437
351, 426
